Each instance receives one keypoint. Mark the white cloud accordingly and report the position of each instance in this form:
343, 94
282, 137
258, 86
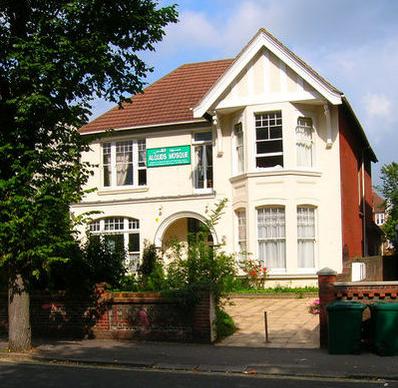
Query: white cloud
378, 105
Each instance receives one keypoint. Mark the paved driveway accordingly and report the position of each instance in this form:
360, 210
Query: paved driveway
290, 325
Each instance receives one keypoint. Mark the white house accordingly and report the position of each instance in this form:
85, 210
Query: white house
263, 130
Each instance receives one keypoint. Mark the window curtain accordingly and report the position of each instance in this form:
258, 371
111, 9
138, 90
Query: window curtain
271, 237
199, 174
306, 237
122, 165
304, 142
241, 214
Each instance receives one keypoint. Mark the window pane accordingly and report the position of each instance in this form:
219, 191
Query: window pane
134, 242
114, 224
199, 172
304, 143
134, 224
124, 163
106, 153
266, 147
269, 139
203, 136
271, 236
269, 161
209, 166
94, 226
306, 237
115, 242
142, 177
262, 134
276, 133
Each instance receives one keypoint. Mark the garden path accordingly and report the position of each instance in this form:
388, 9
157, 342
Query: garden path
290, 325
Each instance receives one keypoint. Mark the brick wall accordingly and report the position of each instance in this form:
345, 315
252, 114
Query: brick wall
118, 315
366, 292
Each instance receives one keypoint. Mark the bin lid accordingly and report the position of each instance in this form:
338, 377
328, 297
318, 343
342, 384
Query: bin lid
345, 305
384, 306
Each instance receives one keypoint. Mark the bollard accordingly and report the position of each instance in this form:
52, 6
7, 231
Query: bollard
266, 327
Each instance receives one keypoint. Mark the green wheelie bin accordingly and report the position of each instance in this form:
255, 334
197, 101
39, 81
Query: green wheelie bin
344, 327
384, 323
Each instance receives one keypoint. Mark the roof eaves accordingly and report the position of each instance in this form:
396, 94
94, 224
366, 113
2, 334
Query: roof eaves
360, 127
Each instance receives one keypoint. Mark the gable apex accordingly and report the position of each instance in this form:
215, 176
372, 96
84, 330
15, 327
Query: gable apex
264, 39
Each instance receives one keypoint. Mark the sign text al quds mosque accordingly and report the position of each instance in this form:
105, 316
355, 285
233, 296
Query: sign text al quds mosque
168, 156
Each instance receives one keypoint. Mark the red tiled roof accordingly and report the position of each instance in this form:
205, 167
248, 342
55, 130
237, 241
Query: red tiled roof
168, 100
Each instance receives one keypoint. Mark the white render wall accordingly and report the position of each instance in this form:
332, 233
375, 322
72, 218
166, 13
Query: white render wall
170, 194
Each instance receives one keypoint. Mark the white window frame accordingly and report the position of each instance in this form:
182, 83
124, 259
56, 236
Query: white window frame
313, 238
129, 226
135, 163
276, 270
268, 154
203, 144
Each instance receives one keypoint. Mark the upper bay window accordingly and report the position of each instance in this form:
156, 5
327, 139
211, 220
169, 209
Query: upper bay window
269, 140
124, 163
203, 151
304, 142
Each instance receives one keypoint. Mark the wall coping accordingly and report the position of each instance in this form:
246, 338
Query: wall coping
365, 284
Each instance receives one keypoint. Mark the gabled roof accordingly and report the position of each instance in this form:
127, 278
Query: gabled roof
167, 101
264, 38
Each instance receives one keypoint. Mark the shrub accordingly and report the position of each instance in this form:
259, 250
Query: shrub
151, 272
225, 325
256, 273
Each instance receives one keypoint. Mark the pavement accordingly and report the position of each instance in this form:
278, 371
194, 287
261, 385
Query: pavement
208, 358
290, 325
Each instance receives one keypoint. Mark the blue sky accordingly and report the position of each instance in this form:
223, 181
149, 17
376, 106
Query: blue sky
352, 43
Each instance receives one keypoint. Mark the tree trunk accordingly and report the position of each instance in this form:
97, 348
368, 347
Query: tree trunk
19, 331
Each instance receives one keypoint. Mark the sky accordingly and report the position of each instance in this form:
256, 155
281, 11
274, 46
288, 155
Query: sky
352, 43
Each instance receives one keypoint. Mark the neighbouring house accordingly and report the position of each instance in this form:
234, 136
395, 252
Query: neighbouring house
263, 130
380, 216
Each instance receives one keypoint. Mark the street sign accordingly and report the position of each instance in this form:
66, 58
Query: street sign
168, 156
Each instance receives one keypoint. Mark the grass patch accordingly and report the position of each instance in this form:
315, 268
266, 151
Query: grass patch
277, 290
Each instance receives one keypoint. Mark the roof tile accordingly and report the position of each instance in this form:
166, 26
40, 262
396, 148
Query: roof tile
168, 100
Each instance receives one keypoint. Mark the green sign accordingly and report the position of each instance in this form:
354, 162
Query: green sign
168, 156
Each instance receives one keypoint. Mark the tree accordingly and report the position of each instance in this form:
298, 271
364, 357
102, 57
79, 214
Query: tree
389, 189
55, 57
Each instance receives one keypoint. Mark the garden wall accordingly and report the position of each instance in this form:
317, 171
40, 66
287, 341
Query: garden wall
378, 268
119, 315
366, 292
